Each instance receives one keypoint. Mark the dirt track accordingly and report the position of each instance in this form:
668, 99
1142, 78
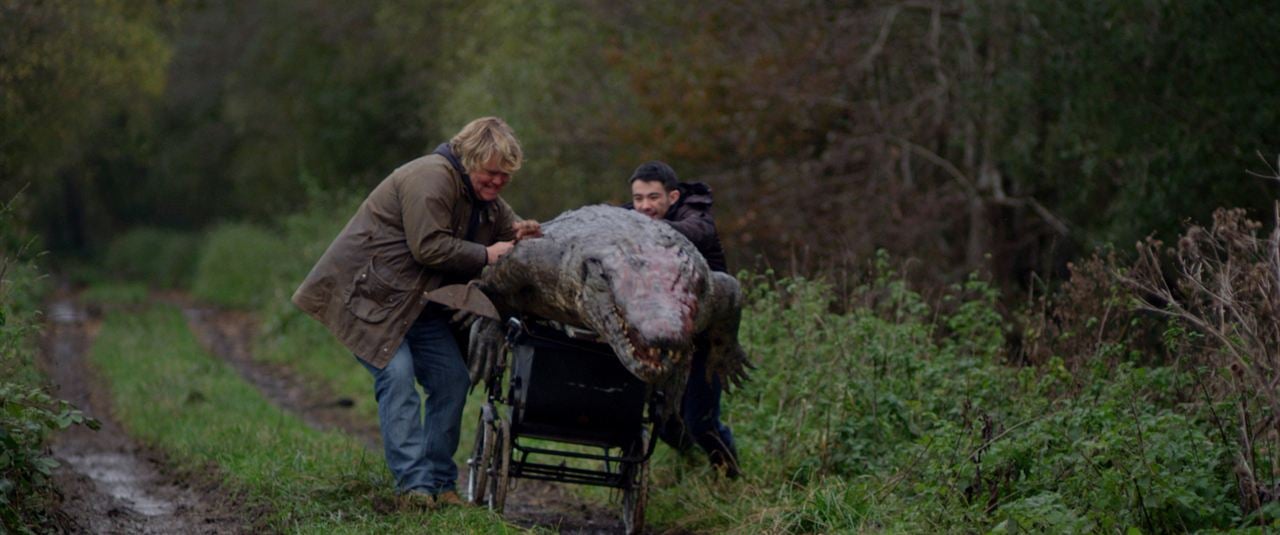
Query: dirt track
109, 483
112, 485
531, 504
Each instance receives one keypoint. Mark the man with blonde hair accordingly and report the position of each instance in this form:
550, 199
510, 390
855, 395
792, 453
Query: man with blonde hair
435, 221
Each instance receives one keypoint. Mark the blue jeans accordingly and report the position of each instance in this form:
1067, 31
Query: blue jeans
420, 451
700, 412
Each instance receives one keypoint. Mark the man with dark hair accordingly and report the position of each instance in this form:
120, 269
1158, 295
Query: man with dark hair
657, 193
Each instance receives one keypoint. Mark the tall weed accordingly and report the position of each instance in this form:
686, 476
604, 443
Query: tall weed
1220, 289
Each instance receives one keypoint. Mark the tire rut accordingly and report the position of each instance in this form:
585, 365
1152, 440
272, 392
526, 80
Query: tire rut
530, 504
109, 483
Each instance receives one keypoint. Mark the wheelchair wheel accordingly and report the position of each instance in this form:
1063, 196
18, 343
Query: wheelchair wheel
500, 466
481, 457
636, 494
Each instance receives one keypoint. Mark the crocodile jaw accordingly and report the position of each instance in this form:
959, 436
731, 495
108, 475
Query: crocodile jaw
645, 312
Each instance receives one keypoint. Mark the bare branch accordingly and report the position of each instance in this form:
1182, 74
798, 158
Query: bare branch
1273, 172
939, 161
876, 47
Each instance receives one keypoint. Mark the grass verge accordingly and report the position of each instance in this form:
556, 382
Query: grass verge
172, 395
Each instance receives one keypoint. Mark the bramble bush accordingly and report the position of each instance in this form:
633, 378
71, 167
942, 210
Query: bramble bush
27, 412
902, 415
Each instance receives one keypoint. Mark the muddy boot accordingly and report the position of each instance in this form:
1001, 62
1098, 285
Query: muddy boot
449, 498
416, 500
725, 461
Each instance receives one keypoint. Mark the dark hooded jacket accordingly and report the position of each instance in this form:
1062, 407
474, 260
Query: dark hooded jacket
691, 216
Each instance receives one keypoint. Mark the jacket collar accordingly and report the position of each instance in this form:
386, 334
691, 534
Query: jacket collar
447, 152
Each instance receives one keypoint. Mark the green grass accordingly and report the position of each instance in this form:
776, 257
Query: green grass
172, 395
230, 276
237, 263
295, 340
116, 293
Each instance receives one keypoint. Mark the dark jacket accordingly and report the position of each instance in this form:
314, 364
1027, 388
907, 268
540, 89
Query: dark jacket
408, 236
691, 216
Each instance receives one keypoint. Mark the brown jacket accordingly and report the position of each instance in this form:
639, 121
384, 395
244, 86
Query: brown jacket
407, 236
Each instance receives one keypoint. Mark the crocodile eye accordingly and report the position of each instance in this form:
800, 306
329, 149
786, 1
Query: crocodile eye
593, 265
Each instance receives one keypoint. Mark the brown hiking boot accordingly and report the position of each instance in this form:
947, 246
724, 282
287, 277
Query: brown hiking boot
449, 498
725, 463
417, 500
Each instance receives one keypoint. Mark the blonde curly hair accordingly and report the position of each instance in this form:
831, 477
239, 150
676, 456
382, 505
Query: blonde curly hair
484, 138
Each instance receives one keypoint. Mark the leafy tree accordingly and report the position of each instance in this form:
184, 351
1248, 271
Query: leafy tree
321, 93
1141, 114
542, 66
999, 135
69, 70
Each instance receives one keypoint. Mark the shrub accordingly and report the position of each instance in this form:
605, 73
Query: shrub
29, 413
159, 257
1086, 328
1220, 288
238, 266
258, 267
116, 294
903, 415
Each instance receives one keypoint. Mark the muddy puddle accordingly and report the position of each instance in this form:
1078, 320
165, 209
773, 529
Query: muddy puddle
109, 483
123, 478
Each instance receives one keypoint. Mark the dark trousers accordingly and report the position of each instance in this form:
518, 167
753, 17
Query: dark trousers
700, 411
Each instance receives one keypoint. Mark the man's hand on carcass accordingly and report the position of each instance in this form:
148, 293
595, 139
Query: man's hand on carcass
495, 251
527, 229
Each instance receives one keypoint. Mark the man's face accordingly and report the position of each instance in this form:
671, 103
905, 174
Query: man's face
489, 179
652, 199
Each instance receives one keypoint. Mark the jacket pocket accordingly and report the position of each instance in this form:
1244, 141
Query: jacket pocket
374, 294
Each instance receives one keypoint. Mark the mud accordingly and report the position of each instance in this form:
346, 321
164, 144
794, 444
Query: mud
530, 504
230, 334
109, 483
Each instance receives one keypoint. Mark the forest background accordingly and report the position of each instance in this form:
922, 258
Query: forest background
915, 191
1007, 136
